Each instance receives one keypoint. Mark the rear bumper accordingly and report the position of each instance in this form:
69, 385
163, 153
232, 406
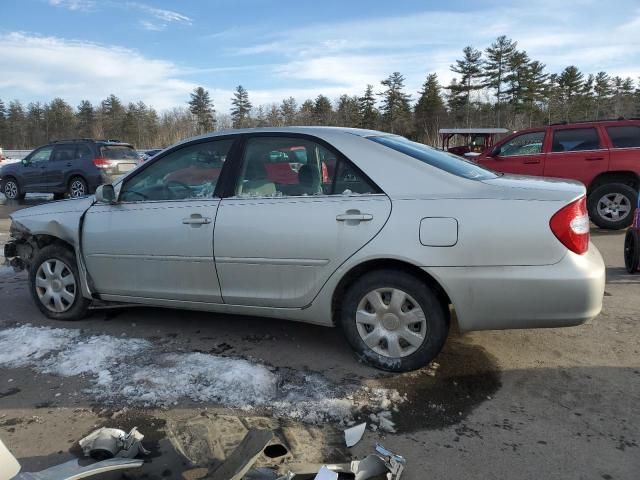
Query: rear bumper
567, 293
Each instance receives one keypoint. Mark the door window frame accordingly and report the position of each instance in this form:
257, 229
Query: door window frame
601, 139
28, 159
229, 182
545, 135
233, 151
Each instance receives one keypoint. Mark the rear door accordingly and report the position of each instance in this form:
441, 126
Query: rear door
62, 160
577, 153
33, 171
156, 242
276, 244
521, 154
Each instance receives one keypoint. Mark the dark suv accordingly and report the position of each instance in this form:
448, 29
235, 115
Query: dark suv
72, 167
602, 154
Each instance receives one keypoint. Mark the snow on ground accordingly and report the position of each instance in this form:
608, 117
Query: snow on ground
128, 371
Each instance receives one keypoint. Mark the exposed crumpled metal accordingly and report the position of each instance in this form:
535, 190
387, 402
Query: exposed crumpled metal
113, 442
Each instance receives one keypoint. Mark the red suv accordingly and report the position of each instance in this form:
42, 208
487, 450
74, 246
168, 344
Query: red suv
604, 155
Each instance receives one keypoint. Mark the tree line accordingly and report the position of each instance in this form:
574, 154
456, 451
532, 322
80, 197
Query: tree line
498, 87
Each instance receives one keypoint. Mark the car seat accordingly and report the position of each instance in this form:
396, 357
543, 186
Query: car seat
256, 182
309, 179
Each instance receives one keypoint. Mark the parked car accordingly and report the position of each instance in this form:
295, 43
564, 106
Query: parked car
604, 155
474, 140
147, 154
381, 247
71, 167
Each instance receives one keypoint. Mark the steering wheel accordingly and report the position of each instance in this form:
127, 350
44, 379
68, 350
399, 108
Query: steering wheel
181, 185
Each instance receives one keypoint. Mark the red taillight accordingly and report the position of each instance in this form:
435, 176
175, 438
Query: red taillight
102, 162
570, 225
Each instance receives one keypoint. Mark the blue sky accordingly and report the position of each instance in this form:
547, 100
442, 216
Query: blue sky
158, 51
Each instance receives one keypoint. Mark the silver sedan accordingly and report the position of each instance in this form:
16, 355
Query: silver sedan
363, 230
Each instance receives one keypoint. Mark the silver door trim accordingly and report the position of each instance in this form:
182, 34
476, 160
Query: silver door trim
308, 262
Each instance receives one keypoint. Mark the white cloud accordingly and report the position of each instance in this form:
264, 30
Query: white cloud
37, 67
83, 5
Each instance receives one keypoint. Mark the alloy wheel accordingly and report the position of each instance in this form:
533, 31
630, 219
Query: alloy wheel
614, 207
11, 189
391, 322
56, 285
77, 189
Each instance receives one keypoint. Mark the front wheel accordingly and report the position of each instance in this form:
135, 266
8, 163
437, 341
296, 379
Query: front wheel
54, 282
611, 206
632, 251
393, 320
11, 189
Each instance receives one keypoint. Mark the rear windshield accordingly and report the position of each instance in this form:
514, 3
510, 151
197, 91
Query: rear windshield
436, 158
118, 152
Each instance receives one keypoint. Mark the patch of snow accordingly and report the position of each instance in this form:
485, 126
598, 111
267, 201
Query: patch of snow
26, 345
126, 371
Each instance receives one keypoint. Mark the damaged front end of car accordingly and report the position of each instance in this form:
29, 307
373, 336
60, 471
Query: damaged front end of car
19, 250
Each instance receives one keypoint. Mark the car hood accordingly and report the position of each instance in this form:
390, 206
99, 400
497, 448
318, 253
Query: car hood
56, 208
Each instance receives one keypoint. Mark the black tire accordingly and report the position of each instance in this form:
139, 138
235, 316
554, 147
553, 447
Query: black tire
437, 321
11, 189
74, 186
630, 200
632, 251
59, 196
75, 310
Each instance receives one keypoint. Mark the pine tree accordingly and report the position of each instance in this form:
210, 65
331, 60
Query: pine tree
429, 110
273, 117
241, 109
470, 69
85, 119
60, 119
322, 111
3, 124
602, 90
112, 114
16, 123
288, 109
570, 83
306, 113
496, 66
347, 112
35, 124
201, 107
368, 112
396, 112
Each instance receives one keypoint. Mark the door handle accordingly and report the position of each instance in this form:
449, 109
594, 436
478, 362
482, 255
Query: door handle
196, 219
592, 159
69, 164
531, 160
354, 215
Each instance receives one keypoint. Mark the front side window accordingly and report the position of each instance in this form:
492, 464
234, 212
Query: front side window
575, 139
282, 166
41, 155
189, 172
624, 137
436, 158
525, 144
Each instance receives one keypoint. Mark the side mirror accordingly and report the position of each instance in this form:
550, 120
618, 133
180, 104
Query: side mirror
105, 194
24, 162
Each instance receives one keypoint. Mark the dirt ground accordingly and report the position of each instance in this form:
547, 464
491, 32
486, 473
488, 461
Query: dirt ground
529, 404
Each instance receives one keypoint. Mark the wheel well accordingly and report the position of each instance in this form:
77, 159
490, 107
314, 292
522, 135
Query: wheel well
30, 245
627, 178
73, 177
386, 264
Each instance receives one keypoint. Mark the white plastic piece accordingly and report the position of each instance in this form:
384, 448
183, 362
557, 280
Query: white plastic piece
9, 466
325, 474
354, 434
114, 441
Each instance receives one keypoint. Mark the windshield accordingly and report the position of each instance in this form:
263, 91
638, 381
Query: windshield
436, 158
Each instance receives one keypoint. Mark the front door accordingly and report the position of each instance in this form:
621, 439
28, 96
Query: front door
277, 243
34, 171
157, 240
520, 155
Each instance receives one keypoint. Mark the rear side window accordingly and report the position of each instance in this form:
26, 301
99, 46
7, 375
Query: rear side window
436, 158
575, 139
624, 137
64, 153
118, 152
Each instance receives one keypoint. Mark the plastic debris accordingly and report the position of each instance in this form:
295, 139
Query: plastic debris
243, 457
112, 442
354, 434
325, 474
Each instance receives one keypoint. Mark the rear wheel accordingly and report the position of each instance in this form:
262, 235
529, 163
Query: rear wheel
632, 251
54, 282
611, 206
393, 320
77, 187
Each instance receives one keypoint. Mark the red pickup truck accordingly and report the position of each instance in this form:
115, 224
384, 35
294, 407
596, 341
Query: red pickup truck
604, 155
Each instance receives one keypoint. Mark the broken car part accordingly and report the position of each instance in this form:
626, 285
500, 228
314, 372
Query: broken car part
394, 462
71, 470
325, 474
113, 442
243, 457
354, 434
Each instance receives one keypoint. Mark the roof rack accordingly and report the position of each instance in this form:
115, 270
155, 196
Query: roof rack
73, 140
564, 122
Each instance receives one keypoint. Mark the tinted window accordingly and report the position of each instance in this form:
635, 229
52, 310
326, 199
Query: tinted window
575, 139
189, 172
282, 166
525, 144
83, 151
624, 137
118, 152
41, 155
64, 153
436, 158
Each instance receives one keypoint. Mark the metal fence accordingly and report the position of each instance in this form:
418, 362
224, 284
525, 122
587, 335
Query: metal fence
16, 154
